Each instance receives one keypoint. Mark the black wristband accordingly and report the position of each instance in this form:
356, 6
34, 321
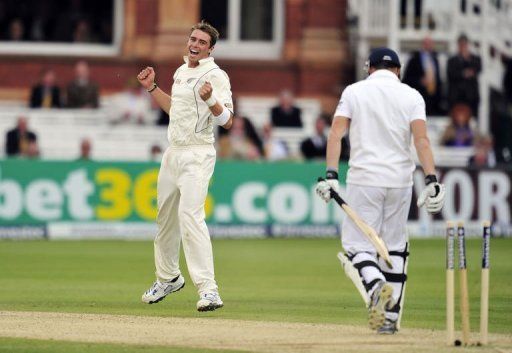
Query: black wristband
429, 179
153, 87
331, 174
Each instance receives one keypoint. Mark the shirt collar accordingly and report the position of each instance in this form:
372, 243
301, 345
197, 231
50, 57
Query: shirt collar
202, 61
383, 73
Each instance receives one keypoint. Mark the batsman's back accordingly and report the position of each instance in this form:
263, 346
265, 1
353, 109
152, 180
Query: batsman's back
382, 109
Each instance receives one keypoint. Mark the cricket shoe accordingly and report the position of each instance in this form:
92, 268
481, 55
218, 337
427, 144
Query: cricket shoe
382, 299
388, 328
209, 302
159, 290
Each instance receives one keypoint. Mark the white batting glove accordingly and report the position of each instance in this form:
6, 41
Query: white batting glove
324, 186
432, 196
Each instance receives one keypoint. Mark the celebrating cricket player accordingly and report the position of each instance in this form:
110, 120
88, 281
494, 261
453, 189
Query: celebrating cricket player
200, 99
382, 114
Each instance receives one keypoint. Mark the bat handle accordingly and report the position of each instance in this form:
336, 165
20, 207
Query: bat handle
334, 194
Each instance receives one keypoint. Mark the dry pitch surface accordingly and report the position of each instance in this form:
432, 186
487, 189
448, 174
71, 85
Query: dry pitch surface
252, 336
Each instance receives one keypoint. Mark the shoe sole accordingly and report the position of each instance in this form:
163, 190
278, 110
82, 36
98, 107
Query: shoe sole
387, 332
377, 315
210, 307
162, 298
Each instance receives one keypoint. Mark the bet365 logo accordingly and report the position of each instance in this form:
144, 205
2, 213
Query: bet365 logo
107, 193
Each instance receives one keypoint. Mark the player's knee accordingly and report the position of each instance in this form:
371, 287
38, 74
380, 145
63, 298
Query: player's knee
190, 216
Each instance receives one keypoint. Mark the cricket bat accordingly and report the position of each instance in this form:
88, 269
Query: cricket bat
368, 231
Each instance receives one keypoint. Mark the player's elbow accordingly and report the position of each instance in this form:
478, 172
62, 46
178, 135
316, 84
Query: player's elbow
422, 143
228, 125
334, 135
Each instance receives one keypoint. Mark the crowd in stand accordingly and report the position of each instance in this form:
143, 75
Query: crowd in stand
81, 92
458, 98
76, 21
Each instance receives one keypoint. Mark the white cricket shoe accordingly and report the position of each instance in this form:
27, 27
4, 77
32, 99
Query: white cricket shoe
159, 290
382, 299
209, 302
388, 328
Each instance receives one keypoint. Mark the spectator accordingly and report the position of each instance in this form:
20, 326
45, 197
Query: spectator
316, 145
286, 114
422, 73
252, 134
82, 32
82, 92
237, 143
32, 150
46, 94
163, 118
484, 156
507, 81
463, 70
155, 153
85, 150
417, 13
459, 132
18, 140
132, 105
16, 30
274, 149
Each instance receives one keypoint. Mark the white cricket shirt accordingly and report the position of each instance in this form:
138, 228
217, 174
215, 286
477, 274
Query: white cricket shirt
381, 110
190, 119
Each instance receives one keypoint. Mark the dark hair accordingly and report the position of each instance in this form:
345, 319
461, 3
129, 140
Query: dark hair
462, 38
207, 28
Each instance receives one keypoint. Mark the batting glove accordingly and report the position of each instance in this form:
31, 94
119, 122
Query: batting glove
432, 196
324, 186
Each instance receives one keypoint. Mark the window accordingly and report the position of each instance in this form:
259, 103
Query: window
46, 27
248, 29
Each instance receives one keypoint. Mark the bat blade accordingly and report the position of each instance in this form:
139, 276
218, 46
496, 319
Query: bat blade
368, 231
370, 234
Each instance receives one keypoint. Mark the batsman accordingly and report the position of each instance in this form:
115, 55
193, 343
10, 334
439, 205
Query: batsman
380, 115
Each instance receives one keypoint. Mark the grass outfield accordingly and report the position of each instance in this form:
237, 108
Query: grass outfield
13, 345
291, 280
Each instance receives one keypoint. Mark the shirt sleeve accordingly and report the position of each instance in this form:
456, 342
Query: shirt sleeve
418, 109
222, 89
344, 107
176, 73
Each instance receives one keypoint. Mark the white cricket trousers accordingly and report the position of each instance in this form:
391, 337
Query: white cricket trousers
386, 210
182, 189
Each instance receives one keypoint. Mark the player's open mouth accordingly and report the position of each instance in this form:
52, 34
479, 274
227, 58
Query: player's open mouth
193, 52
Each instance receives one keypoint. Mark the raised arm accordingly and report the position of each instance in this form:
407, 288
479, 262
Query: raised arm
222, 116
147, 79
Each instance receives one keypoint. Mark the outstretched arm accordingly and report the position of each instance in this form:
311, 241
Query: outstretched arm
147, 79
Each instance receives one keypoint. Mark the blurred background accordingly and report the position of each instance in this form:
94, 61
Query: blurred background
81, 140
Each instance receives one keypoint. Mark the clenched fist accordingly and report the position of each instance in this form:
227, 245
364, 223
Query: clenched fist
206, 91
146, 77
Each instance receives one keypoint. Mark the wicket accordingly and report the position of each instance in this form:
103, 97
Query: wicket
464, 294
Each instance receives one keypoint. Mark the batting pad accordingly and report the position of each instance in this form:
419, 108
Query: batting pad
353, 274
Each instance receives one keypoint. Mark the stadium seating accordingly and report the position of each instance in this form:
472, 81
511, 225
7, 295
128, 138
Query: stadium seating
60, 131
